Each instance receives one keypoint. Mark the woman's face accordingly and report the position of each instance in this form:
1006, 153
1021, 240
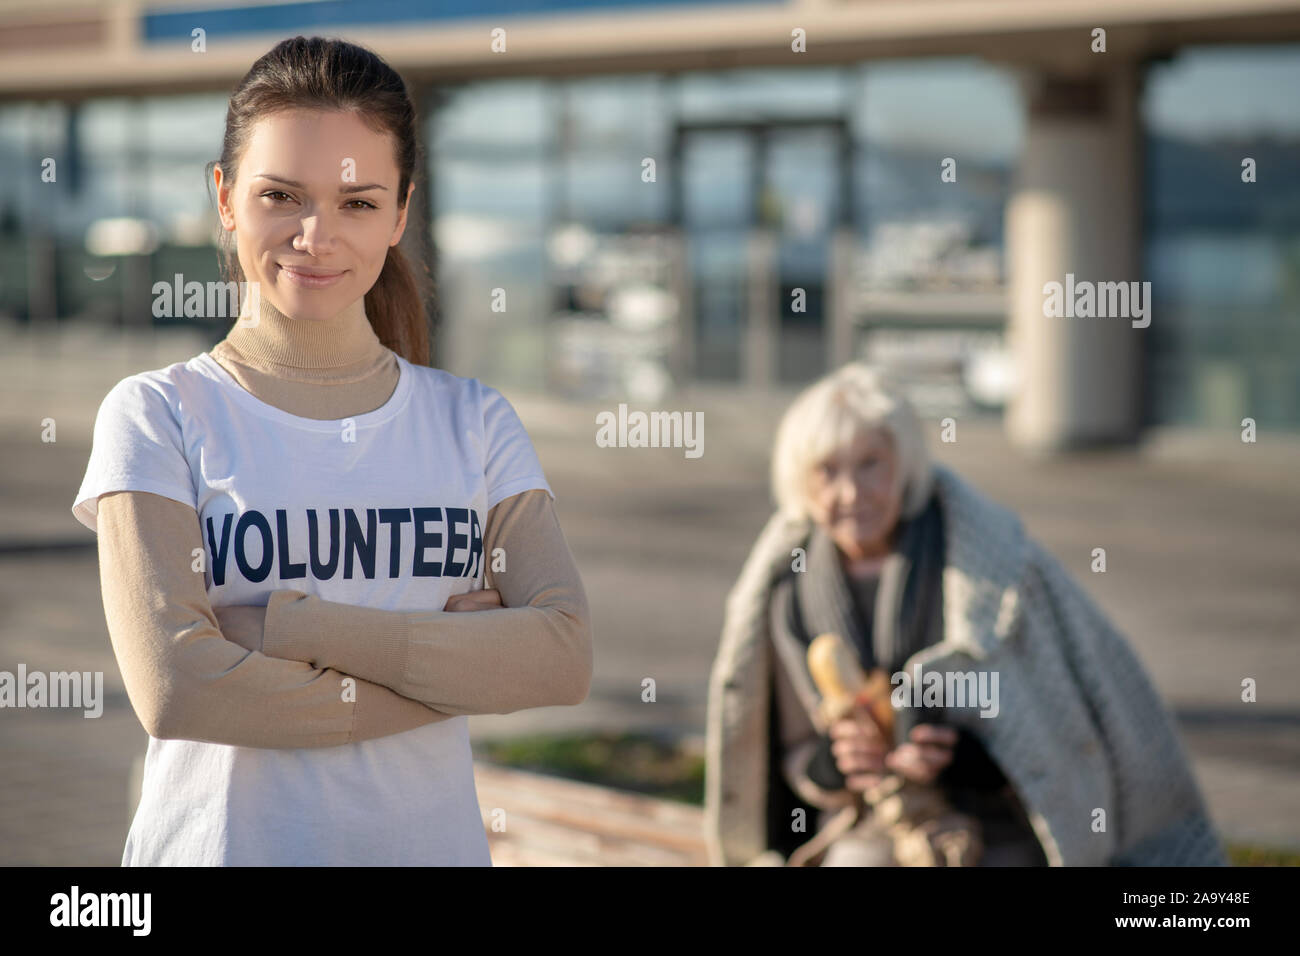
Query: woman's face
854, 494
317, 191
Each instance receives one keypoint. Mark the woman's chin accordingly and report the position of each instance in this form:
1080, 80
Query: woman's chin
867, 538
309, 304
861, 529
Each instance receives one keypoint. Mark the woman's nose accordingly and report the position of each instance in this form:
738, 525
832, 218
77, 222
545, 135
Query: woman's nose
848, 490
316, 236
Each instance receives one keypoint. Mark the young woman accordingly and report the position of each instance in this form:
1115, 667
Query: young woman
285, 522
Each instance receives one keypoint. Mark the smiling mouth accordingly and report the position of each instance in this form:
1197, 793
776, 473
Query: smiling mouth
309, 272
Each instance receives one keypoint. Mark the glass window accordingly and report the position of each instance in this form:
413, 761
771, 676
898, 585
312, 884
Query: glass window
909, 118
501, 114
761, 94
1222, 254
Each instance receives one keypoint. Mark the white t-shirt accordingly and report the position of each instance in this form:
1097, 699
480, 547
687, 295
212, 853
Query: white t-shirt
335, 509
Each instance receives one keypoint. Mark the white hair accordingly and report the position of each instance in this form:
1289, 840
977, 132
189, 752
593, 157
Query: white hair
828, 415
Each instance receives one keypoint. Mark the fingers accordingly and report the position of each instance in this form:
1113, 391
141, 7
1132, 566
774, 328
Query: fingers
921, 763
934, 734
854, 758
844, 730
244, 625
862, 756
858, 725
848, 737
910, 764
857, 745
861, 753
862, 714
483, 600
858, 755
467, 603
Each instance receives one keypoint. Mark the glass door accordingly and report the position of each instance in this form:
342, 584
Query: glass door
803, 190
760, 307
718, 168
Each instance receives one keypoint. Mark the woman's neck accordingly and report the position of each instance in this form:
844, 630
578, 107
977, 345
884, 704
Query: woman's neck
341, 348
861, 562
859, 569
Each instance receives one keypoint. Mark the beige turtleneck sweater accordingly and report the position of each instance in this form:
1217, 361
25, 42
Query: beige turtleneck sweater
271, 677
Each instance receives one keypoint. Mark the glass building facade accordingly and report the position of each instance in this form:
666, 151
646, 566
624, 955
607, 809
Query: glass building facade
1223, 254
601, 234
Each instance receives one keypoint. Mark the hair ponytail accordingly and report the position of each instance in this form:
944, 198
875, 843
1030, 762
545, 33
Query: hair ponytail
395, 308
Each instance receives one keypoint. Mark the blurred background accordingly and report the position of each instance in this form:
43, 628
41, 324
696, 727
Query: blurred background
685, 212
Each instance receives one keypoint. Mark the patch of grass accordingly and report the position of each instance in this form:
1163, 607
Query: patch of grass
627, 761
663, 768
1240, 854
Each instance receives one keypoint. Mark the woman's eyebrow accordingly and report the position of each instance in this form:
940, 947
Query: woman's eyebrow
353, 188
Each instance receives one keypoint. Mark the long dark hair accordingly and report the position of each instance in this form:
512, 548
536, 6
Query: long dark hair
327, 74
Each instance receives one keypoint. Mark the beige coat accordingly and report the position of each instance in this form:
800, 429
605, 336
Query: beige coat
1081, 729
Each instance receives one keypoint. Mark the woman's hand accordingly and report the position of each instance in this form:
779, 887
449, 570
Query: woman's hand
861, 755
484, 600
929, 749
859, 749
242, 624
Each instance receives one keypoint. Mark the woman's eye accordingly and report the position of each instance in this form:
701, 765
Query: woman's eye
271, 194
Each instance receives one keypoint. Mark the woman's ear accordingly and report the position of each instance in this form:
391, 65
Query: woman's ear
224, 209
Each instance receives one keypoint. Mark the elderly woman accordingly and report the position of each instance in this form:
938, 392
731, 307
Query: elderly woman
1076, 762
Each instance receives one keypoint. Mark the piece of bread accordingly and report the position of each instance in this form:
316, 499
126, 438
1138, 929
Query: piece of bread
842, 684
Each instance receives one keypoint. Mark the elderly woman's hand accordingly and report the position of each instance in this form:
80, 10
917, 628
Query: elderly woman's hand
923, 757
859, 749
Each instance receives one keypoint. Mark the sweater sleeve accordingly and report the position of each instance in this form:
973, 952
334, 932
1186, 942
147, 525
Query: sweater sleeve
184, 679
536, 651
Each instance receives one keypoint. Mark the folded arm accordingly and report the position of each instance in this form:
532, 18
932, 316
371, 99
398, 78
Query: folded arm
185, 680
536, 651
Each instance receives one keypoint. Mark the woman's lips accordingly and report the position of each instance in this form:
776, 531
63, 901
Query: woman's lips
858, 519
309, 281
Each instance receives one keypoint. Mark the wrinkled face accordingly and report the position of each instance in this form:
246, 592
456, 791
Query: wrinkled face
314, 209
855, 494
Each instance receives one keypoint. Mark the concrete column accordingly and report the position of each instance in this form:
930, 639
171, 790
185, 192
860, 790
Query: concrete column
1075, 209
